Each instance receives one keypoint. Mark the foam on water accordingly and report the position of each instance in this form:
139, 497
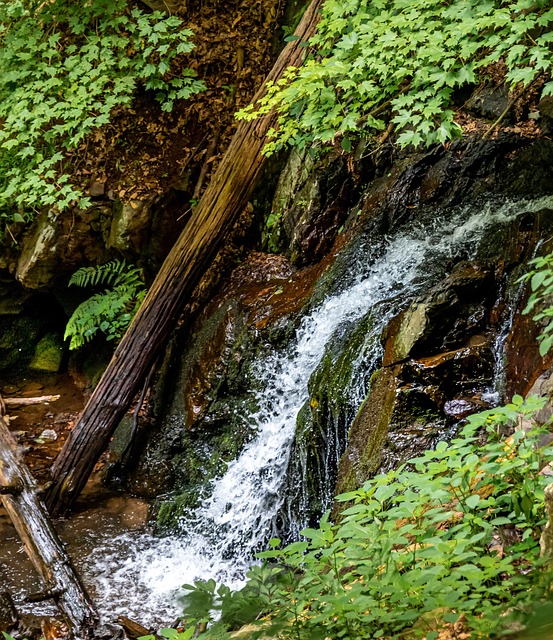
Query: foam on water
140, 576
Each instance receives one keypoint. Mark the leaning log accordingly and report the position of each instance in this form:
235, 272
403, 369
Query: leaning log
210, 223
30, 518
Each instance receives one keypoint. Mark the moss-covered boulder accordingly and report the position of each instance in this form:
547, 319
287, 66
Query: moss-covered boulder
48, 354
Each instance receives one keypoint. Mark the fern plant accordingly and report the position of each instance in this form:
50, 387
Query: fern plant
381, 63
109, 312
64, 68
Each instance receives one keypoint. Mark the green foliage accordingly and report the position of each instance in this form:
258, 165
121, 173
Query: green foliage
541, 282
172, 634
111, 311
376, 62
65, 67
453, 534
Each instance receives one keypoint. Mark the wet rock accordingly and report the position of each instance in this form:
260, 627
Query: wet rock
369, 430
460, 408
470, 169
523, 362
443, 318
490, 102
454, 372
310, 206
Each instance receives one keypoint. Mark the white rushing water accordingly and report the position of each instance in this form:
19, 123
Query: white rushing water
140, 576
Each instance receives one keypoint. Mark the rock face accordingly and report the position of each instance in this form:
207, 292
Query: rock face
203, 399
441, 359
439, 356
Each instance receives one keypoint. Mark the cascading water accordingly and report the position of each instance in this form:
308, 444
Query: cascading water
138, 575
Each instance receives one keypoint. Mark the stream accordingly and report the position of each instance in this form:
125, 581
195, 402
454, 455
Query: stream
129, 571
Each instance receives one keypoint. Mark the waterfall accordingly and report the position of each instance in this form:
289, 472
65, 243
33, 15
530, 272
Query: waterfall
138, 575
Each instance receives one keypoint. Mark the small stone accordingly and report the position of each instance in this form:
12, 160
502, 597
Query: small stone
10, 389
49, 434
97, 188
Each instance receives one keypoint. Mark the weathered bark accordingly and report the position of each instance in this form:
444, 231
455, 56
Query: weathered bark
209, 225
41, 542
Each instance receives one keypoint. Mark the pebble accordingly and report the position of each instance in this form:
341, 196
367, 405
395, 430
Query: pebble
48, 434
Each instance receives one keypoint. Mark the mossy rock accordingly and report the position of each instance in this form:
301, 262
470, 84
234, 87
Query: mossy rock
323, 420
48, 354
368, 432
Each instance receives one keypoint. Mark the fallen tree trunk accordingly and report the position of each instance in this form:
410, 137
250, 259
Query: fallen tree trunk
41, 542
24, 402
211, 221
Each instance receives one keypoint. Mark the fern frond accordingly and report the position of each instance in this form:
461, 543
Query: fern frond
100, 274
109, 312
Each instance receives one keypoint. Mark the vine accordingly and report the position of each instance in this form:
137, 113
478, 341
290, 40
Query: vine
376, 63
65, 67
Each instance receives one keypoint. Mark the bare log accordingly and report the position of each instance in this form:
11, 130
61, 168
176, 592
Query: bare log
211, 220
41, 542
24, 402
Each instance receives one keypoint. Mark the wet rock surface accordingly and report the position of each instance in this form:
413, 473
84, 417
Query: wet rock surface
441, 358
441, 349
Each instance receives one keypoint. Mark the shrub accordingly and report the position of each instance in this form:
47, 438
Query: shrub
452, 536
64, 68
376, 63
